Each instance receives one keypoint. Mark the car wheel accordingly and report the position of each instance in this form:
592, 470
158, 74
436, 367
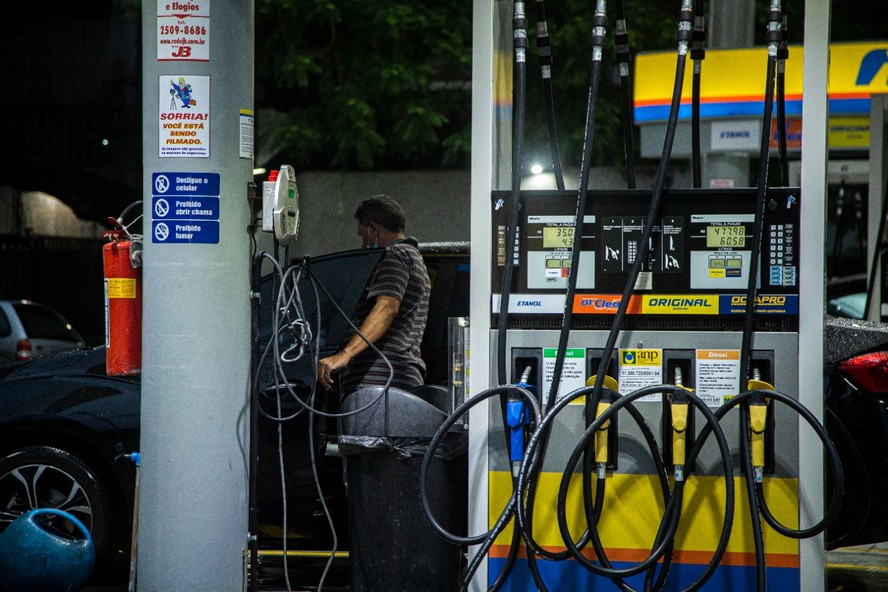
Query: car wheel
45, 477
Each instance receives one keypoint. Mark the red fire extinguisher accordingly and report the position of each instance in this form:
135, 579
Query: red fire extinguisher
123, 302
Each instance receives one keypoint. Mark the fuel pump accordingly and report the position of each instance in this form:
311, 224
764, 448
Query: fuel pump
667, 299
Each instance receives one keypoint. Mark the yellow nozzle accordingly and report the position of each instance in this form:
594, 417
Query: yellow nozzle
758, 385
601, 435
679, 432
609, 382
758, 415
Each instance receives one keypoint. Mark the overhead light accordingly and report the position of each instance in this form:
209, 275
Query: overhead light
536, 169
259, 171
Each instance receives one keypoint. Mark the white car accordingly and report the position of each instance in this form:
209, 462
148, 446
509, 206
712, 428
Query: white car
30, 330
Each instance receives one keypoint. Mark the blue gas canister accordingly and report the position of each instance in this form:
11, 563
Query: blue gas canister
35, 556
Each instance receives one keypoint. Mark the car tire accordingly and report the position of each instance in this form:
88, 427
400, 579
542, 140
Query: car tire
46, 477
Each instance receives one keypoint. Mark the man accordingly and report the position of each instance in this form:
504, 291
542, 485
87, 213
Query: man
392, 315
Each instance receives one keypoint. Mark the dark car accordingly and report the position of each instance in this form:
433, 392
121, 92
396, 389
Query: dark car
856, 387
66, 428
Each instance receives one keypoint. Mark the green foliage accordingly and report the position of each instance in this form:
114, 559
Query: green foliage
386, 84
380, 84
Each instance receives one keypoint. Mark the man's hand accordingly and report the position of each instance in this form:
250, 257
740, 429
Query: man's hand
327, 366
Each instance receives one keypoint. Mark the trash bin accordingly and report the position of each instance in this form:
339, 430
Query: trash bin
391, 545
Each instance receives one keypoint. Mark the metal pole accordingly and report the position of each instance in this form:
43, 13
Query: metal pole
812, 558
197, 122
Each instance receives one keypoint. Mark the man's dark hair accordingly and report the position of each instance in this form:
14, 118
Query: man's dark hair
384, 211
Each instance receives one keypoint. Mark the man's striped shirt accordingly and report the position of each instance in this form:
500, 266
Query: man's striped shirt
401, 274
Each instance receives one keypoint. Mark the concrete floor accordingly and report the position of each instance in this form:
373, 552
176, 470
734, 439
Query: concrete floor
858, 569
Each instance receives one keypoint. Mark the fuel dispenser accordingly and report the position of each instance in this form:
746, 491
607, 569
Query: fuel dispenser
682, 329
664, 324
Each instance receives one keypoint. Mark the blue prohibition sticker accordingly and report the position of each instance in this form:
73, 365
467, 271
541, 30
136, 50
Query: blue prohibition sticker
185, 208
185, 231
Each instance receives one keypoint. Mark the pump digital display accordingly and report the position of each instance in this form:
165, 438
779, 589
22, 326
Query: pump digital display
725, 236
558, 236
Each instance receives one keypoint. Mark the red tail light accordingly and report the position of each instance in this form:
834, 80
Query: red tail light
23, 350
869, 371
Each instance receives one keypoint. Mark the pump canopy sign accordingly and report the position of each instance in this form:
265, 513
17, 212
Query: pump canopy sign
183, 31
184, 116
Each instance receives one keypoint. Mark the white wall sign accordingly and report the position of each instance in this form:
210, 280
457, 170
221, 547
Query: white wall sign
183, 30
184, 118
247, 128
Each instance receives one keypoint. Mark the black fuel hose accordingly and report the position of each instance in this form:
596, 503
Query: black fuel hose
624, 63
684, 36
530, 471
484, 539
519, 112
530, 467
544, 54
669, 523
782, 55
832, 456
698, 54
519, 108
774, 22
599, 32
752, 498
527, 480
761, 192
599, 39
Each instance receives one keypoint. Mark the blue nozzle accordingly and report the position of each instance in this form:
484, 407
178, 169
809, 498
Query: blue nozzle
516, 418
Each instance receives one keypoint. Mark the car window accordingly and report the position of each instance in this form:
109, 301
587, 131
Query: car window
41, 322
850, 306
5, 327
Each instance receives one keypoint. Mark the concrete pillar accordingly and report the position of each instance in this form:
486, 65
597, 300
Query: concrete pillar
815, 156
197, 81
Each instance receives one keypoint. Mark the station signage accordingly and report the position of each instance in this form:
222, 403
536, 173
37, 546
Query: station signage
185, 208
183, 117
183, 31
732, 83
